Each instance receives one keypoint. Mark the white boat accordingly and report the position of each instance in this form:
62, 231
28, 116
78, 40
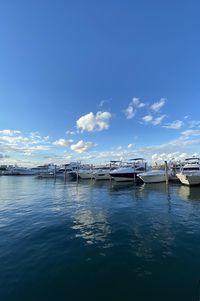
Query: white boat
190, 178
85, 172
130, 171
18, 171
153, 176
102, 174
52, 171
42, 169
68, 170
190, 173
46, 175
94, 172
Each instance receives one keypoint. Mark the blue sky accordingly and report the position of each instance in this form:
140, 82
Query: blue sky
98, 80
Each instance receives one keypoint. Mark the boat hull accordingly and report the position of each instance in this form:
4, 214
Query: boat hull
154, 176
189, 180
101, 176
125, 177
153, 179
73, 175
129, 173
86, 176
46, 175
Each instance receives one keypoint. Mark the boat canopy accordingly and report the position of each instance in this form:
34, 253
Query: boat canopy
137, 159
115, 161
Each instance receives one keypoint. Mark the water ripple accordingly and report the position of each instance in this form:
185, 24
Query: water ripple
70, 239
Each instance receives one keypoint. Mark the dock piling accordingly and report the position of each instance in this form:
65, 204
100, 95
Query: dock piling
166, 172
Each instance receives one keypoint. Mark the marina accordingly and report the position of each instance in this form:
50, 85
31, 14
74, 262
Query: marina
99, 151
135, 170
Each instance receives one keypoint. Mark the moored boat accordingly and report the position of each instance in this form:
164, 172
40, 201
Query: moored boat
153, 176
190, 173
85, 172
102, 174
130, 171
191, 178
18, 171
46, 175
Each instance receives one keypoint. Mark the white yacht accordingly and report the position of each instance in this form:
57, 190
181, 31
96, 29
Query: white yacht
63, 171
190, 173
44, 169
85, 172
17, 171
153, 176
97, 172
103, 172
46, 175
129, 171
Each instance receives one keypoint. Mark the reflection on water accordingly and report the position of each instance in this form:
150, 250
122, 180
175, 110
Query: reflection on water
189, 193
129, 241
142, 238
162, 187
92, 227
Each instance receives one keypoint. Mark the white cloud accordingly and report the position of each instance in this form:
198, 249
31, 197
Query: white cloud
70, 133
9, 132
46, 138
91, 122
177, 124
63, 142
158, 120
194, 123
189, 133
176, 149
137, 102
35, 135
156, 106
82, 146
129, 112
147, 118
167, 151
101, 103
174, 156
12, 141
130, 145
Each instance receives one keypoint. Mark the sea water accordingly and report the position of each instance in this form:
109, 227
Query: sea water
86, 240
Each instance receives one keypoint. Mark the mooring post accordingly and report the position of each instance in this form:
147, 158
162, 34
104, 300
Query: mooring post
65, 171
166, 172
55, 171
